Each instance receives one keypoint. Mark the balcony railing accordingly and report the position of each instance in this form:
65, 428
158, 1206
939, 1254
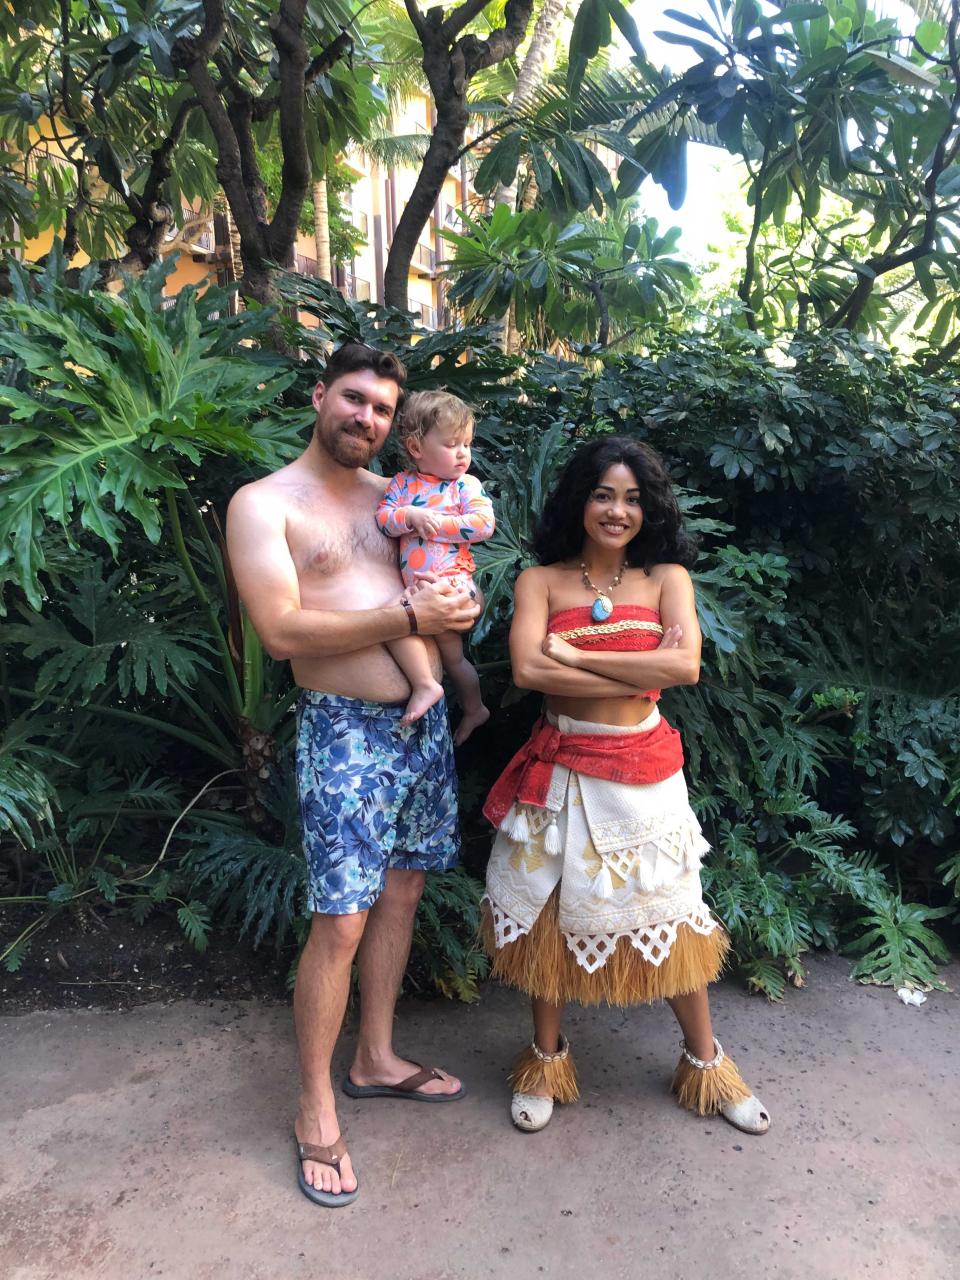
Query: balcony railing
424, 260
426, 315
361, 222
202, 239
306, 266
353, 287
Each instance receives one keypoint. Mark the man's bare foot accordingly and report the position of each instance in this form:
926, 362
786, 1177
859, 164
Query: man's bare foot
471, 720
392, 1070
320, 1127
422, 698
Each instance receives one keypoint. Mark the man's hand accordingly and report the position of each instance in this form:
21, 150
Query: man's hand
560, 651
439, 608
422, 521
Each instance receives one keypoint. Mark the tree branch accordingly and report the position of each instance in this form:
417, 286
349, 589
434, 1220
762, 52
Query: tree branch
240, 111
948, 145
472, 145
501, 43
937, 359
214, 29
416, 17
603, 333
71, 241
320, 65
229, 166
287, 31
460, 17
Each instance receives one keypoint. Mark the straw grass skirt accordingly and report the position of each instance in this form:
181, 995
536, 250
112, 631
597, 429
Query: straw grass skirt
596, 898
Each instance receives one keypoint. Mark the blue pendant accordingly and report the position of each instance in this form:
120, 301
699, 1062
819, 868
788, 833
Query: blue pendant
602, 609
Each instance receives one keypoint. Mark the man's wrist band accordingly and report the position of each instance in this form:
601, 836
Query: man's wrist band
411, 616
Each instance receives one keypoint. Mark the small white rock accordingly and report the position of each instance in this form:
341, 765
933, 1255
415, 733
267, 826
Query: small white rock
908, 996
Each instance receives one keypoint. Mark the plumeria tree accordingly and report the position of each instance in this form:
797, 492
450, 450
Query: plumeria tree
112, 116
846, 128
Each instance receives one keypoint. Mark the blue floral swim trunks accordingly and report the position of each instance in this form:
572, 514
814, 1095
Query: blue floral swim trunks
374, 794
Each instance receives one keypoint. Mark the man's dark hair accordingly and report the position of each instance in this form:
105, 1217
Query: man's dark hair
662, 538
354, 356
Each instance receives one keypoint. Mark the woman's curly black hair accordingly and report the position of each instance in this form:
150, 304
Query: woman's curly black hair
662, 539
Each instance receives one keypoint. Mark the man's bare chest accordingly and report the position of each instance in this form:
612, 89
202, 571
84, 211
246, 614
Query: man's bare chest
324, 542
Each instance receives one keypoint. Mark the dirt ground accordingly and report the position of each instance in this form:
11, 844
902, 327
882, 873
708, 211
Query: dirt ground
156, 1142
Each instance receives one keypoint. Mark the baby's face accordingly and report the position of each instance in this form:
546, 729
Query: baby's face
443, 452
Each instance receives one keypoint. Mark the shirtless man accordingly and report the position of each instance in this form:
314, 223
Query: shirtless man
378, 800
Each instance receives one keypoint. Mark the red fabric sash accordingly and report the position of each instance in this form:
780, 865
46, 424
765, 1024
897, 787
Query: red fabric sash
633, 758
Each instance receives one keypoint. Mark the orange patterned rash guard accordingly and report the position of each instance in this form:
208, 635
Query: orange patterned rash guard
466, 517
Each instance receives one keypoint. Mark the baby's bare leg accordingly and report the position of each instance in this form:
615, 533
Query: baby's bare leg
465, 680
410, 655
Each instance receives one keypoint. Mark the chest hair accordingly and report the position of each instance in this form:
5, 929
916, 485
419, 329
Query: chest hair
329, 546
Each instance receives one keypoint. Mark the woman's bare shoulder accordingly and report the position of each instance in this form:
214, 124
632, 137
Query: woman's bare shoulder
537, 575
541, 577
669, 573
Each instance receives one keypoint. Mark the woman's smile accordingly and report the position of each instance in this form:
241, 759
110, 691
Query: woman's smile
613, 512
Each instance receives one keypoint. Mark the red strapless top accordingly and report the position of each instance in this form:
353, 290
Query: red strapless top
629, 629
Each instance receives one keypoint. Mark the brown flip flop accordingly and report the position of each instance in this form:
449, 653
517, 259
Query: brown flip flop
323, 1155
406, 1089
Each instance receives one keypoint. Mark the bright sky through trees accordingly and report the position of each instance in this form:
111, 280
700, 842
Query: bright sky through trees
714, 178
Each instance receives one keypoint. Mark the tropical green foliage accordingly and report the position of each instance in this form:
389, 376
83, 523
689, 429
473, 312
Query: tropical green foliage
145, 748
151, 719
585, 281
823, 484
84, 139
846, 131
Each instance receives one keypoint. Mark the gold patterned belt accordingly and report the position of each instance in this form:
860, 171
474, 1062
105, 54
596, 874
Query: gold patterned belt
610, 629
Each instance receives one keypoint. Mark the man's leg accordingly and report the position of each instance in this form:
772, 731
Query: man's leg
381, 961
319, 1002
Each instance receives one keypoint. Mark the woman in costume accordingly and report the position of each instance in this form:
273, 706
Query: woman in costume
593, 887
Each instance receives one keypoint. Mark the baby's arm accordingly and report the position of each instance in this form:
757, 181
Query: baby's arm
391, 514
473, 523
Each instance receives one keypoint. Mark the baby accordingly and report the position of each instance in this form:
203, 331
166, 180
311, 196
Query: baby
437, 511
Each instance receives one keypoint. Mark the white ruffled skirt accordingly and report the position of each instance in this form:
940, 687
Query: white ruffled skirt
597, 896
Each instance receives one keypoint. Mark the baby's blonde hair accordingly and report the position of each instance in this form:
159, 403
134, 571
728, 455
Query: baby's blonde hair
424, 410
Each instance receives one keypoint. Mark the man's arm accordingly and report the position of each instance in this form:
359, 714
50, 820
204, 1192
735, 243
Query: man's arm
266, 579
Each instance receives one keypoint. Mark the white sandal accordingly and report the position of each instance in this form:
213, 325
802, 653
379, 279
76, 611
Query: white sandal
715, 1087
530, 1112
535, 1069
750, 1115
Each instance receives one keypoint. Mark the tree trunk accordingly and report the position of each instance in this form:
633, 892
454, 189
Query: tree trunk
233, 113
528, 81
441, 155
531, 76
450, 60
321, 230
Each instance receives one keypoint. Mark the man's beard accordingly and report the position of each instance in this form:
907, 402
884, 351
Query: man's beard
345, 448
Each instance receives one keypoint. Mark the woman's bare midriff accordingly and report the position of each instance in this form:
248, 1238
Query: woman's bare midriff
368, 673
625, 711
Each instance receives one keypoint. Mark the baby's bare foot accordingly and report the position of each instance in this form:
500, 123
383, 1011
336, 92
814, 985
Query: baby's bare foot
422, 698
471, 720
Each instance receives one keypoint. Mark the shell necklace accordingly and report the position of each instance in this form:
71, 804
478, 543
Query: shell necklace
603, 605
